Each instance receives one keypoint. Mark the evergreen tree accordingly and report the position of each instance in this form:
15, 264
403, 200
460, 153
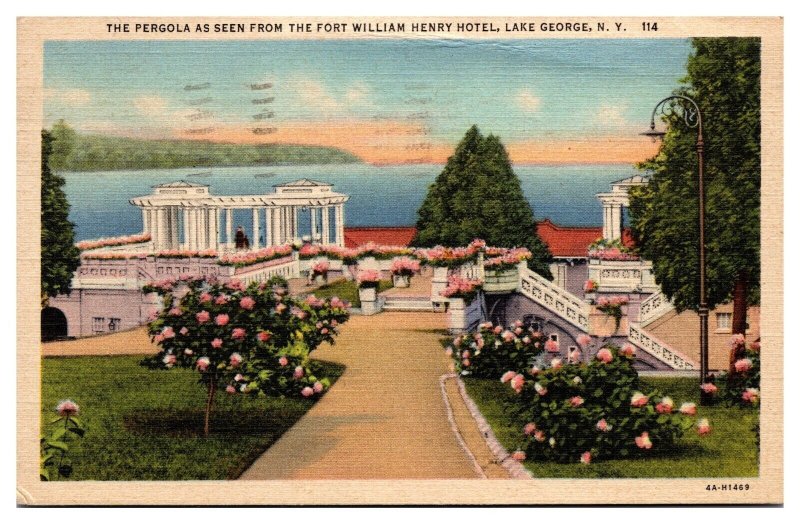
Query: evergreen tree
724, 79
478, 195
60, 257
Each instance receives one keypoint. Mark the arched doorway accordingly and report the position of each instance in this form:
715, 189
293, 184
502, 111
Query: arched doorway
54, 324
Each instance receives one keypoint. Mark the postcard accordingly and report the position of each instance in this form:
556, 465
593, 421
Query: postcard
429, 261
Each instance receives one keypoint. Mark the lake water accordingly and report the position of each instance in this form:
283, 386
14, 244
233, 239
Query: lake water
379, 195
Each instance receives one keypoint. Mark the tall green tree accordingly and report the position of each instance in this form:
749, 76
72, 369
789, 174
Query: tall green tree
724, 79
60, 257
64, 141
478, 195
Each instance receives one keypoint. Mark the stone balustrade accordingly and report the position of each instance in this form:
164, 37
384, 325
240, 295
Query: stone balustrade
655, 306
623, 276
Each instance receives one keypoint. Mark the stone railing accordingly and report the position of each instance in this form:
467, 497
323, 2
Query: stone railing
623, 276
559, 301
653, 307
658, 349
286, 267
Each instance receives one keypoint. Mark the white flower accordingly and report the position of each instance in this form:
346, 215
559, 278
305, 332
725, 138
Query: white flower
552, 442
577, 380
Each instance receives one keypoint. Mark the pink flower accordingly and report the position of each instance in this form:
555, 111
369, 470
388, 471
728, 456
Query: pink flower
448, 351
755, 346
507, 336
238, 377
665, 406
158, 338
216, 343
574, 356
247, 303
526, 340
318, 387
66, 408
175, 312
307, 391
535, 370
751, 395
643, 441
221, 300
628, 350
280, 308
169, 360
539, 436
517, 382
205, 297
222, 319
465, 362
736, 341
498, 330
203, 317
551, 346
556, 363
518, 323
230, 389
586, 457
604, 355
263, 336
529, 429
203, 363
541, 390
703, 427
518, 455
742, 365
639, 399
576, 401
283, 361
518, 331
507, 376
584, 340
298, 372
188, 352
603, 425
688, 408
236, 360
238, 333
709, 388
183, 330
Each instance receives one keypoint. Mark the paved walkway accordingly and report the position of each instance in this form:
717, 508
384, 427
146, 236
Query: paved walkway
384, 418
131, 342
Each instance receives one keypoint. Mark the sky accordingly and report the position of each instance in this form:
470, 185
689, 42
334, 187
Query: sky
388, 101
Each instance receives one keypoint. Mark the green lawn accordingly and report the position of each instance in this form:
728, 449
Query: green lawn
347, 290
729, 451
147, 425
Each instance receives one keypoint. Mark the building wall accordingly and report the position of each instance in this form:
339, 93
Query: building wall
682, 331
92, 312
570, 274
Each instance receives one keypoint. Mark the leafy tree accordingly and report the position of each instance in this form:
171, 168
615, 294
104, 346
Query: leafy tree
478, 195
64, 141
60, 257
723, 78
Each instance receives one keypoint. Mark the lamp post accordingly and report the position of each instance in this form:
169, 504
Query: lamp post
687, 108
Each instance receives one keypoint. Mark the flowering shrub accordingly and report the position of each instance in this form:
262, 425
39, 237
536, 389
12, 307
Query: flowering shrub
742, 386
449, 257
458, 287
612, 306
309, 251
185, 253
59, 433
507, 260
320, 268
493, 350
348, 256
112, 255
248, 258
114, 241
368, 278
603, 249
404, 266
381, 252
247, 340
572, 409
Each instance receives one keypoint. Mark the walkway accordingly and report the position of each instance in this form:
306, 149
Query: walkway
384, 418
131, 342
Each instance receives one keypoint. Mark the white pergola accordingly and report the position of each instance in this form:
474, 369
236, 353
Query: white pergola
184, 215
614, 202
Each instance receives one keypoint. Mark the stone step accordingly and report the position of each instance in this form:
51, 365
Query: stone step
407, 304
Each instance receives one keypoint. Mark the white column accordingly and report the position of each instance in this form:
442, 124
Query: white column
268, 227
173, 228
229, 227
295, 224
313, 211
154, 236
215, 219
193, 229
145, 219
340, 225
616, 221
161, 219
256, 232
186, 234
276, 224
326, 226
284, 224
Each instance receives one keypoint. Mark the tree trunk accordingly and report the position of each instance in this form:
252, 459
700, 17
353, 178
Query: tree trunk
739, 321
212, 388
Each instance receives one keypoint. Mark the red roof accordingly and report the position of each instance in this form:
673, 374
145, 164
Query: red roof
386, 236
563, 241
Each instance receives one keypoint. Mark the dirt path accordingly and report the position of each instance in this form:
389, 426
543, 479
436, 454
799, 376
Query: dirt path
384, 419
131, 342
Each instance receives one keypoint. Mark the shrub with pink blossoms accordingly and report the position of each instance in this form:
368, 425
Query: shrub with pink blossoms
464, 288
490, 352
252, 342
404, 266
596, 408
368, 278
740, 387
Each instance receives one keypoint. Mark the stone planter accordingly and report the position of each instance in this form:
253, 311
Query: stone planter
461, 315
438, 283
369, 300
401, 280
590, 296
502, 281
320, 280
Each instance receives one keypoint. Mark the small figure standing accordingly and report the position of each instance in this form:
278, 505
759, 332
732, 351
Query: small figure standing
240, 238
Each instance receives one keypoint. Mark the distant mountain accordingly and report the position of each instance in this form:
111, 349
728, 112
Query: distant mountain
107, 153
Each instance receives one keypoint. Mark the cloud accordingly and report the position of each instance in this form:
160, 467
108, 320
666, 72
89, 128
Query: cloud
316, 96
358, 94
69, 97
151, 106
611, 116
528, 101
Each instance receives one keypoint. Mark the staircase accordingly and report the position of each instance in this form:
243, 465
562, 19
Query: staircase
556, 299
401, 303
658, 349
